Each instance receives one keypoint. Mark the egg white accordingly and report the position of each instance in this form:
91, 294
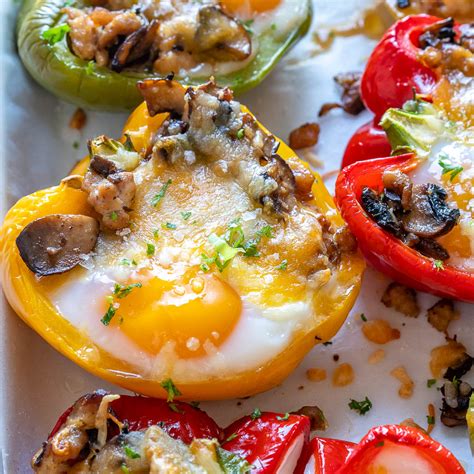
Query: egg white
460, 153
259, 335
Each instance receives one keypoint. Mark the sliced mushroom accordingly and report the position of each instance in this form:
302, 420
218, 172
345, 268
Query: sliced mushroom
221, 37
429, 214
57, 243
163, 95
380, 211
136, 46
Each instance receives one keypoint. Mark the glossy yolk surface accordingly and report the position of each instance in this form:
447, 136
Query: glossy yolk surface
255, 6
201, 308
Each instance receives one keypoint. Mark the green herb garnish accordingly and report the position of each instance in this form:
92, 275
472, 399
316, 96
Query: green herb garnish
127, 262
150, 249
430, 419
113, 216
186, 215
362, 407
430, 382
256, 414
363, 317
121, 291
231, 463
169, 225
110, 313
90, 68
130, 453
231, 437
124, 468
283, 265
55, 34
171, 388
160, 194
241, 134
447, 167
284, 417
438, 264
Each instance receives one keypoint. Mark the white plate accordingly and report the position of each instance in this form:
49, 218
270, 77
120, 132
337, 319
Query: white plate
37, 150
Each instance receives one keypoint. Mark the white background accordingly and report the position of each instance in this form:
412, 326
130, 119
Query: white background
37, 383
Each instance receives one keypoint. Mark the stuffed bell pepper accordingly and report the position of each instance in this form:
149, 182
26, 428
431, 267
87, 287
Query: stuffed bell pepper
93, 53
420, 55
384, 449
105, 433
199, 248
412, 214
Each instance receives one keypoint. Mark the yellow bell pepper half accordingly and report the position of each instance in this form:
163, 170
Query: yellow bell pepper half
25, 292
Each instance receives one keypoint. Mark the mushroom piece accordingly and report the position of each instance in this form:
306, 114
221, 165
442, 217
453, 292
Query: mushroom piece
57, 243
351, 97
163, 95
221, 37
135, 46
429, 214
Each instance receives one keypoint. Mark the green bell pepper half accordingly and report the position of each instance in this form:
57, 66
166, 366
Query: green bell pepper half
57, 69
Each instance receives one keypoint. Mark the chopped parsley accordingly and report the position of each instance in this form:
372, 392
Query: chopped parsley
430, 419
232, 463
438, 264
109, 314
186, 215
124, 468
283, 265
231, 437
327, 343
75, 145
448, 167
455, 381
169, 225
156, 233
150, 249
241, 134
233, 242
256, 414
430, 382
273, 27
362, 407
380, 444
160, 194
113, 216
55, 34
90, 68
248, 26
363, 317
127, 262
130, 453
171, 388
121, 291
284, 417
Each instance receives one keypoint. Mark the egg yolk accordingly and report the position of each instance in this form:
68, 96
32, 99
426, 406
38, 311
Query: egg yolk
195, 315
256, 6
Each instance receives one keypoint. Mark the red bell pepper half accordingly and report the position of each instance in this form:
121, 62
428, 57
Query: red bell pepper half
393, 73
269, 442
180, 420
408, 448
272, 442
394, 69
384, 251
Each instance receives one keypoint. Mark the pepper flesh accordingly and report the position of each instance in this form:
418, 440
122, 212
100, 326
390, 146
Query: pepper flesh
57, 69
264, 441
394, 70
25, 294
383, 250
341, 457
